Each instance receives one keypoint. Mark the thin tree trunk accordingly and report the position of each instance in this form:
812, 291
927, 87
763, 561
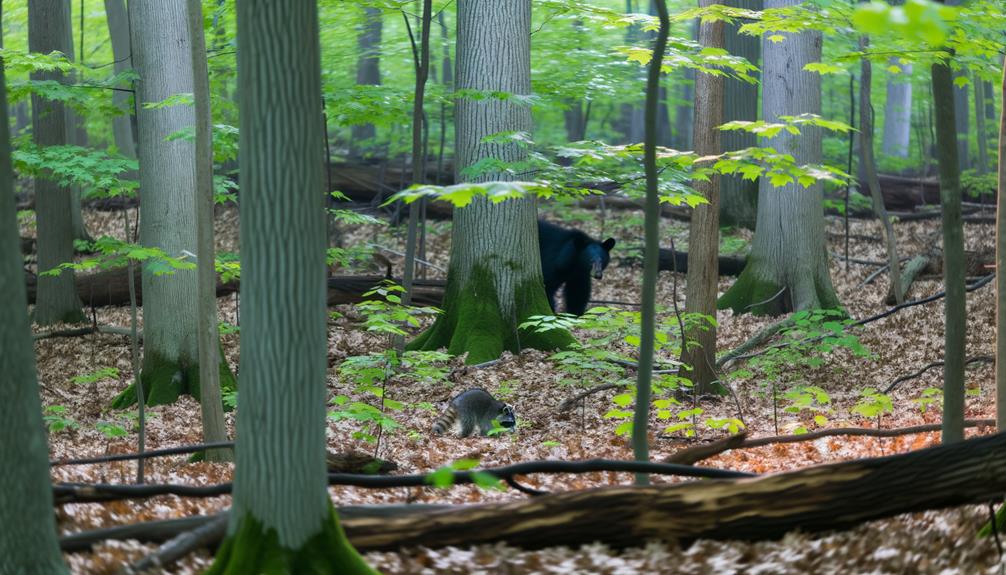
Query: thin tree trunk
118, 30
683, 119
982, 134
704, 230
869, 164
214, 427
953, 253
648, 313
28, 543
898, 111
788, 265
494, 279
368, 70
1000, 275
48, 30
162, 58
739, 197
282, 519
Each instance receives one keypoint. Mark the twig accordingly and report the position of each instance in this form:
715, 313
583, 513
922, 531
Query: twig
570, 401
206, 535
924, 369
181, 450
859, 431
692, 455
418, 261
80, 331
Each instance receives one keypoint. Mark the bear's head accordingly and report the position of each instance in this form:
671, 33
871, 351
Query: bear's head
597, 255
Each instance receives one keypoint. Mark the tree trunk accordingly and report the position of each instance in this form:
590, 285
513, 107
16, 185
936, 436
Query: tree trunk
982, 134
118, 30
214, 427
953, 253
1001, 265
48, 30
494, 278
29, 543
683, 110
368, 71
898, 111
787, 268
699, 346
739, 197
282, 520
811, 500
632, 115
663, 114
869, 168
162, 58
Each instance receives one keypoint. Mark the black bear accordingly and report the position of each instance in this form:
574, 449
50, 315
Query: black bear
571, 257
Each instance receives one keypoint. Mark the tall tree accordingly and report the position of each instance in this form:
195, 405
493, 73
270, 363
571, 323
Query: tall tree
28, 543
787, 268
168, 216
699, 351
57, 299
683, 118
980, 129
898, 110
955, 311
1001, 265
368, 68
208, 339
118, 31
282, 520
739, 197
494, 278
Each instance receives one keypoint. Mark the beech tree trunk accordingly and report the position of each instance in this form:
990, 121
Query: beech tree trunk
683, 119
28, 543
282, 520
168, 217
787, 268
494, 279
982, 134
739, 197
118, 31
49, 30
955, 312
368, 69
815, 499
699, 346
1001, 265
898, 110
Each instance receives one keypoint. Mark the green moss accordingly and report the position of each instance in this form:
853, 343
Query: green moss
164, 381
472, 322
253, 550
749, 289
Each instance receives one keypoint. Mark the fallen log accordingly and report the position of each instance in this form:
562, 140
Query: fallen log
111, 288
908, 274
677, 261
820, 498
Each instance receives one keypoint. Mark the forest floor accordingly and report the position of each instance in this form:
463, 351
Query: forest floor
932, 542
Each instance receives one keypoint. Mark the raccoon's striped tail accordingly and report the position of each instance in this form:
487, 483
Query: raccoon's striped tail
446, 421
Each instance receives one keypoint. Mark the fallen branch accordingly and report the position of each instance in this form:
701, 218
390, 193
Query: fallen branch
93, 493
820, 498
924, 369
82, 331
208, 535
858, 431
911, 271
763, 335
569, 402
694, 454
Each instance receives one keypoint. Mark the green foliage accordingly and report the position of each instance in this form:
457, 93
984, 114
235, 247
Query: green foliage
113, 253
809, 398
367, 415
227, 266
96, 171
873, 403
57, 419
443, 477
96, 376
931, 396
388, 315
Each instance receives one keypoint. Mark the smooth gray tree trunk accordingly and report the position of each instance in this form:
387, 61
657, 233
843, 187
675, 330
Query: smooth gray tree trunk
898, 111
787, 268
57, 300
214, 428
28, 543
282, 520
118, 31
1001, 278
368, 69
494, 278
739, 197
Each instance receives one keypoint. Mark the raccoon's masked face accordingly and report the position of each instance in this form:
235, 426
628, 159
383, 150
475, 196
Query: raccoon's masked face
506, 417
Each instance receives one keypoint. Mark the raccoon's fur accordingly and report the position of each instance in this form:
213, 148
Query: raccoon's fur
474, 410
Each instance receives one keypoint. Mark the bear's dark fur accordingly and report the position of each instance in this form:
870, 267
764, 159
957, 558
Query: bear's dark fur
571, 258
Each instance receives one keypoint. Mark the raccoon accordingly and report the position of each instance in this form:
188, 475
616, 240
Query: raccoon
474, 409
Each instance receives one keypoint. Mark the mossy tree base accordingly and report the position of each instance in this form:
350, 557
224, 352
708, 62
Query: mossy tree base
473, 323
164, 381
252, 549
759, 296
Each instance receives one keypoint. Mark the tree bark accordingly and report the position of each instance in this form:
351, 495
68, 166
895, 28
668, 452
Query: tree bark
955, 312
1000, 266
869, 167
699, 344
494, 278
815, 499
739, 197
48, 31
29, 543
788, 252
118, 31
368, 70
168, 218
683, 119
282, 520
898, 111
214, 427
981, 133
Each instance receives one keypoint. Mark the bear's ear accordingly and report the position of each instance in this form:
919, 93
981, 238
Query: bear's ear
608, 244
